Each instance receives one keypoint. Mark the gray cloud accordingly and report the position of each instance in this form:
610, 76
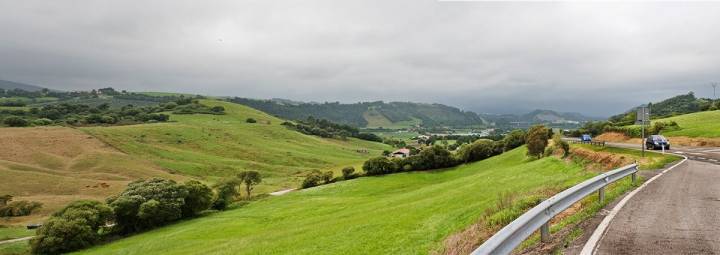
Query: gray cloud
595, 58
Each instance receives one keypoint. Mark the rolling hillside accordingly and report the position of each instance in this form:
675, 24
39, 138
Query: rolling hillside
57, 165
370, 114
407, 213
699, 124
212, 146
10, 85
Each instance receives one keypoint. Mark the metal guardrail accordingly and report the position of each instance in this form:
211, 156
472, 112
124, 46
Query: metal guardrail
509, 237
596, 143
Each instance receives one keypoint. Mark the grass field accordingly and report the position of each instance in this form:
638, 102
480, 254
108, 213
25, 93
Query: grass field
56, 165
700, 124
9, 232
16, 248
407, 213
376, 120
211, 146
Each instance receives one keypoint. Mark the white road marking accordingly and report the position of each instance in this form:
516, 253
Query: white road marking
701, 158
591, 245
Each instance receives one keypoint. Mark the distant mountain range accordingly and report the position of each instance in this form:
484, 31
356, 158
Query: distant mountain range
10, 85
405, 114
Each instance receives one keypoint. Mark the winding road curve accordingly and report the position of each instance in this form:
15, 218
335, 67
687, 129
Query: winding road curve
679, 213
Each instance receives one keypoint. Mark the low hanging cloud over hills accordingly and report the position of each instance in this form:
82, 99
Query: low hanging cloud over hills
593, 58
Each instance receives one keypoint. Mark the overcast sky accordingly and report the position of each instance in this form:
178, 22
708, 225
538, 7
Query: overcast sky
597, 59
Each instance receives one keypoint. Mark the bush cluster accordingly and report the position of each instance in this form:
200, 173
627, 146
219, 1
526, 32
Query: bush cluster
9, 208
144, 204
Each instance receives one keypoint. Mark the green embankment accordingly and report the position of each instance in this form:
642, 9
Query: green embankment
406, 213
211, 146
700, 124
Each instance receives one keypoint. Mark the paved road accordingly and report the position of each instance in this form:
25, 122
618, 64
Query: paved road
679, 213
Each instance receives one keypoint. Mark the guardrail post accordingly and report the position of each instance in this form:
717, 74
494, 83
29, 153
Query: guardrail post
545, 232
633, 177
601, 194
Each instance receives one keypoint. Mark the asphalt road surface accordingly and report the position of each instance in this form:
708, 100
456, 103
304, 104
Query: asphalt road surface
679, 213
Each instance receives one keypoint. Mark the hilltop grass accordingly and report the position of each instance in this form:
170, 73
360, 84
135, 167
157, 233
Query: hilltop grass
700, 124
213, 146
406, 213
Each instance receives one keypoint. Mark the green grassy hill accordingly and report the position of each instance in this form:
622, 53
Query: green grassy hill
211, 146
699, 124
407, 213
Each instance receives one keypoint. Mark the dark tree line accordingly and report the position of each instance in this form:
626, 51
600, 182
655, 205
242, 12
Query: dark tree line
328, 129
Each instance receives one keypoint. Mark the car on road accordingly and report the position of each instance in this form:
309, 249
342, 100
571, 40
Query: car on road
657, 142
585, 138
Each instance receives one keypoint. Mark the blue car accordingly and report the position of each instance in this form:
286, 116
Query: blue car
585, 138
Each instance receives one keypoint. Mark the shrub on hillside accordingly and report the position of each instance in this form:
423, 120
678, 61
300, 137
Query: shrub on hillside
14, 121
75, 227
514, 139
226, 190
348, 173
312, 179
537, 141
378, 166
479, 150
42, 122
558, 143
250, 120
199, 198
19, 208
155, 202
432, 158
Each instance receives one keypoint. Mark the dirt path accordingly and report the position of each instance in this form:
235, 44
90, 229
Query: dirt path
678, 214
16, 240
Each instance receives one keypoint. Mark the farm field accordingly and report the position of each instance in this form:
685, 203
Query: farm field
406, 213
213, 146
56, 165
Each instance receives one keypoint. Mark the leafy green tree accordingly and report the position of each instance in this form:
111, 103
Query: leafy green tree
537, 140
514, 139
226, 190
327, 177
200, 198
250, 179
478, 150
75, 227
148, 203
378, 166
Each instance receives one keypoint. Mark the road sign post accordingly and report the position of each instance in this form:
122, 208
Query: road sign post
643, 116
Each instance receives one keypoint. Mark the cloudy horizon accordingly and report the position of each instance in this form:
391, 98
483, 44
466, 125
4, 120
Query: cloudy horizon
598, 59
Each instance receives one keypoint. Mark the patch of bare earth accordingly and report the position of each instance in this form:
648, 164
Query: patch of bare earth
616, 137
602, 160
57, 165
